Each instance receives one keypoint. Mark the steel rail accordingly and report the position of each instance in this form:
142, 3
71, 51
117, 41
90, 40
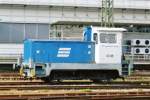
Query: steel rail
69, 87
83, 95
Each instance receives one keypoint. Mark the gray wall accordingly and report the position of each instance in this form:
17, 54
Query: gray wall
16, 32
135, 35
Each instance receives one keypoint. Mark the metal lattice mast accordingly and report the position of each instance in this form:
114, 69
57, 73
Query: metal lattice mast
107, 13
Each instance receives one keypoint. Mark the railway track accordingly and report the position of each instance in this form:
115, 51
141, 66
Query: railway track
137, 75
60, 91
142, 73
74, 87
79, 94
20, 81
15, 79
14, 87
86, 82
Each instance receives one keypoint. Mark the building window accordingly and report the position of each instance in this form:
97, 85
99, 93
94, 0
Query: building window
17, 32
123, 12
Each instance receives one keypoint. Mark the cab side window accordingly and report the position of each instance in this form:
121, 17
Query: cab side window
95, 38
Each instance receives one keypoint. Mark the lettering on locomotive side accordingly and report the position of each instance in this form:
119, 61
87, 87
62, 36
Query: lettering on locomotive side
63, 52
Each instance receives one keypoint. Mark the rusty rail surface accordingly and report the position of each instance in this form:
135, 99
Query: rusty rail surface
83, 95
68, 87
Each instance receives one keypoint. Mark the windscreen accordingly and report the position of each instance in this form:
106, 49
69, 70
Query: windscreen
108, 38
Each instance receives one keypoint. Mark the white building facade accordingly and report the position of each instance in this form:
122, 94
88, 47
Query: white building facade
50, 11
31, 18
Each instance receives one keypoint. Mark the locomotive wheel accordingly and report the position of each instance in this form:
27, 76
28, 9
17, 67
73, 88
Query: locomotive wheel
97, 80
47, 79
101, 81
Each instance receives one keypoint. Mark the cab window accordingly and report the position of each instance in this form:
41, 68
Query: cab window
95, 37
108, 38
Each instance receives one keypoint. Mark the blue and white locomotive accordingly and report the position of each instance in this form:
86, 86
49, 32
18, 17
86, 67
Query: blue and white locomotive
98, 56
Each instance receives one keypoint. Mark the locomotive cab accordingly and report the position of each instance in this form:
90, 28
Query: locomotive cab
108, 48
108, 45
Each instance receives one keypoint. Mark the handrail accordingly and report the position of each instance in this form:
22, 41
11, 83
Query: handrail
138, 57
11, 55
66, 38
